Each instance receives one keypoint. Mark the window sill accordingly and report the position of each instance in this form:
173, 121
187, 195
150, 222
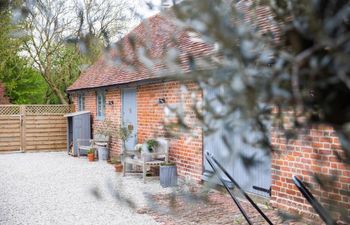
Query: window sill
100, 117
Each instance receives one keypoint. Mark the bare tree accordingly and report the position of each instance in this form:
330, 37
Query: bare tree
100, 19
52, 23
48, 25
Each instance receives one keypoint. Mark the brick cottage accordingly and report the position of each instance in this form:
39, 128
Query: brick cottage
137, 97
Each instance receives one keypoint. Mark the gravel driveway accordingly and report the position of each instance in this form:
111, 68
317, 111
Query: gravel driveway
54, 188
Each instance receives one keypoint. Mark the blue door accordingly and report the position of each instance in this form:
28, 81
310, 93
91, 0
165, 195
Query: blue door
255, 179
129, 115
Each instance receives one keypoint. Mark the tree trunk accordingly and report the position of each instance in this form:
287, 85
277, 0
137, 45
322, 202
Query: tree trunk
47, 76
60, 95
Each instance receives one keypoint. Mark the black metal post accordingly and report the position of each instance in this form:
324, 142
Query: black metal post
229, 191
240, 189
313, 201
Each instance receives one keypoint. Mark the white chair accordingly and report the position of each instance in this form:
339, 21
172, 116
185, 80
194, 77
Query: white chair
86, 144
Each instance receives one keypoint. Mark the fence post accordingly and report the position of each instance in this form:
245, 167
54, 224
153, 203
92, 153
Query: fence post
71, 108
22, 129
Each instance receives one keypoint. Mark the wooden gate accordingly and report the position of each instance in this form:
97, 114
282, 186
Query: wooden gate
10, 128
33, 127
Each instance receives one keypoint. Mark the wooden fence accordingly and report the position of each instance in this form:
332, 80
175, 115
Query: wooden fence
33, 127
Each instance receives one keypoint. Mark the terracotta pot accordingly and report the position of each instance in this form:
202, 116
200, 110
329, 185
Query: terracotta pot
91, 157
118, 167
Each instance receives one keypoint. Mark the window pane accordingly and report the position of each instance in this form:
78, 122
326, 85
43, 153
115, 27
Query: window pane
100, 104
103, 105
80, 102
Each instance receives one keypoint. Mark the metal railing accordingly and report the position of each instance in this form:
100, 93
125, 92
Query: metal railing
215, 165
325, 216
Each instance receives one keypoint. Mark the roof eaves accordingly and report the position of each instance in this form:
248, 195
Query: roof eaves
136, 82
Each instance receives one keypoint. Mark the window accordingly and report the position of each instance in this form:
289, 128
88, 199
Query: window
81, 102
101, 105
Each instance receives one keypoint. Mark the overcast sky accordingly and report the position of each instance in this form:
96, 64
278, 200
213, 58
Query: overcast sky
143, 9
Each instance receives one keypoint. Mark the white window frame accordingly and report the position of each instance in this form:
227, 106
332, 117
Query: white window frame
81, 102
100, 105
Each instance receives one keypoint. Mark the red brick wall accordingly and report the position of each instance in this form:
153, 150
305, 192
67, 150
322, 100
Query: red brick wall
185, 150
313, 152
112, 113
3, 98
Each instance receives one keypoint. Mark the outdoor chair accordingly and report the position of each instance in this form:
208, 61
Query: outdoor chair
86, 144
145, 160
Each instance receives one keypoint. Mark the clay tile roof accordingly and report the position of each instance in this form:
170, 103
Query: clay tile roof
157, 35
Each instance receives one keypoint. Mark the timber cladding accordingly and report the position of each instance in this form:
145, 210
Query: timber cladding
33, 127
10, 133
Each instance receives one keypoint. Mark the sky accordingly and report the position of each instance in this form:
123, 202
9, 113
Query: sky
143, 10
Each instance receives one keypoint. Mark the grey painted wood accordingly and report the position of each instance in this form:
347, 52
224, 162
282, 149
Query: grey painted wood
79, 127
129, 115
167, 176
102, 152
246, 176
69, 133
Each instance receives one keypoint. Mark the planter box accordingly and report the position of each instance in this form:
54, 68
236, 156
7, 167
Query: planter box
167, 176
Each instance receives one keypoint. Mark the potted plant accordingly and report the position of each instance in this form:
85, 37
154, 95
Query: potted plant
167, 174
91, 154
102, 136
148, 147
117, 164
124, 134
152, 145
106, 128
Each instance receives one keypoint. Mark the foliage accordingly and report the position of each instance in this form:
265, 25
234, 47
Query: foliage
152, 144
60, 46
168, 164
299, 66
58, 39
124, 133
23, 83
106, 128
115, 160
304, 69
66, 66
296, 66
91, 151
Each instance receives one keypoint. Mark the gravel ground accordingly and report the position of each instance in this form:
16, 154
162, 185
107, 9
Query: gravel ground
54, 188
